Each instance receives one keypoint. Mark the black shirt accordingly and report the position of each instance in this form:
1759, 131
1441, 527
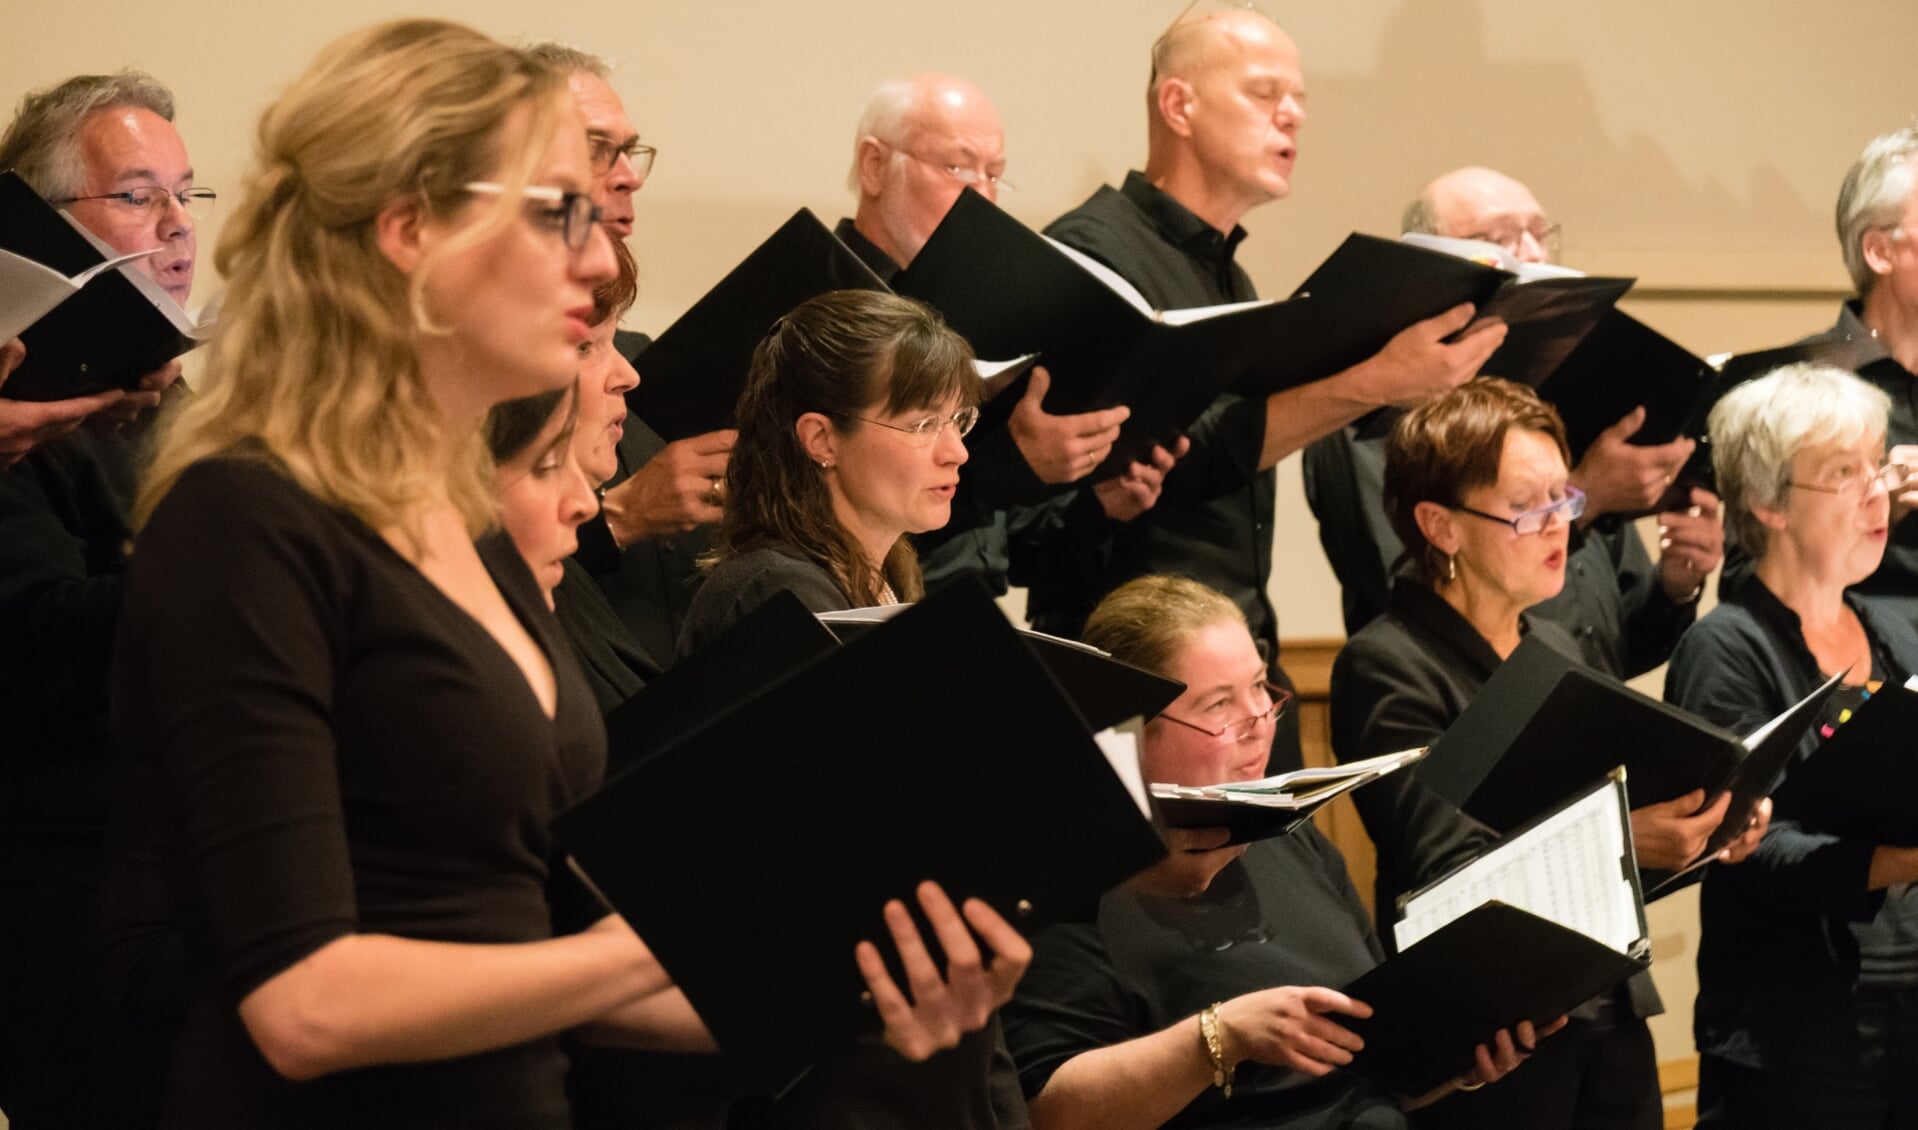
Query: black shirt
1895, 582
1788, 935
1613, 603
867, 1086
1213, 521
1397, 685
332, 746
616, 667
1284, 914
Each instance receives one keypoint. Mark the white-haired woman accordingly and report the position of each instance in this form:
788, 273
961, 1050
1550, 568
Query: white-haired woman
1807, 1008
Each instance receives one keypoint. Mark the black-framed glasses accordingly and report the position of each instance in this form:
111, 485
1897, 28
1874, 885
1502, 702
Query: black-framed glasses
572, 214
1277, 697
965, 174
1893, 476
1535, 520
927, 430
196, 202
605, 153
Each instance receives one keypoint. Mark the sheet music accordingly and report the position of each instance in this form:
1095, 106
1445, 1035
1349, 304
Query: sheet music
1120, 744
1569, 869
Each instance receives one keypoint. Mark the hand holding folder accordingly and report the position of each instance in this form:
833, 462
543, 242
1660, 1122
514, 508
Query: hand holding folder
754, 837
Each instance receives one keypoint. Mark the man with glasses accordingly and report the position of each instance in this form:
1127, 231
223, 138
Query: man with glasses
1878, 233
657, 511
922, 141
1625, 613
104, 148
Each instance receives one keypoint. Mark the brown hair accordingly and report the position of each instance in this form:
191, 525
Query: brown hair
1148, 620
835, 354
1450, 444
615, 296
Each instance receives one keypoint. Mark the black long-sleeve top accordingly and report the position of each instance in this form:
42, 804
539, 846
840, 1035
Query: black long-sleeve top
329, 745
1786, 936
1213, 520
1398, 684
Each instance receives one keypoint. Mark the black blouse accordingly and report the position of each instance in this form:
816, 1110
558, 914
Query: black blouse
332, 746
1787, 936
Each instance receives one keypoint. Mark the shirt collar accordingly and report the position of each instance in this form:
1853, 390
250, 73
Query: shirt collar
1179, 224
1417, 604
1851, 327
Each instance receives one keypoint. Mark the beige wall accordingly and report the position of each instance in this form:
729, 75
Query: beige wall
1697, 144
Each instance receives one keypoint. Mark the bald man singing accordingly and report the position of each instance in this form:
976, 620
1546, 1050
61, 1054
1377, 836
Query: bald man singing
1224, 109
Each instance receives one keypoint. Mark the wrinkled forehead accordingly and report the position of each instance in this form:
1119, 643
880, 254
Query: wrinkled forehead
601, 107
127, 144
1232, 47
1474, 203
951, 117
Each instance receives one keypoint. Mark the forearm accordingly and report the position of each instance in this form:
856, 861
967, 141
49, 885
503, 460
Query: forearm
662, 1022
1140, 1083
367, 999
1299, 416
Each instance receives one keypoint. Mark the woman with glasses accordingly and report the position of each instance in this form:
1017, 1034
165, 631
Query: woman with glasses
1807, 1009
1475, 487
1194, 996
349, 714
851, 437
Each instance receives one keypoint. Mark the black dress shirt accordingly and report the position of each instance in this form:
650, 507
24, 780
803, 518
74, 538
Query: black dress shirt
1214, 520
1613, 603
1895, 582
1789, 936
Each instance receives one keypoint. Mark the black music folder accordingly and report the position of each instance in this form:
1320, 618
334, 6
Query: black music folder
1011, 292
1533, 927
110, 332
1544, 724
753, 853
1106, 691
691, 376
1862, 781
1620, 365
766, 645
1271, 806
1370, 288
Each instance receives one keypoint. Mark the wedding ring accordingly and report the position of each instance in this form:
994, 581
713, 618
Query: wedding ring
713, 497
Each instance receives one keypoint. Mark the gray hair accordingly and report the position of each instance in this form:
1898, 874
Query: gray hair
887, 111
566, 59
1420, 216
1874, 196
43, 142
1759, 426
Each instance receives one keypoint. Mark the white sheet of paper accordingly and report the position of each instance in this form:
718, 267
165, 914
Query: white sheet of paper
29, 291
1568, 869
1120, 744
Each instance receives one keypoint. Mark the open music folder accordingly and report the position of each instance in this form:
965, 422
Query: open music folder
1544, 723
1270, 806
754, 850
1011, 292
1862, 780
1541, 922
89, 319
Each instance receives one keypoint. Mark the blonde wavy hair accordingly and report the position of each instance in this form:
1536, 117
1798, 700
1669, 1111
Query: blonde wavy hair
314, 361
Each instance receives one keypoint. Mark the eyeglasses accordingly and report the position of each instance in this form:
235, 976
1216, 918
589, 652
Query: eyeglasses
1512, 236
573, 214
1534, 521
1894, 477
197, 202
605, 153
927, 430
1244, 728
964, 174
